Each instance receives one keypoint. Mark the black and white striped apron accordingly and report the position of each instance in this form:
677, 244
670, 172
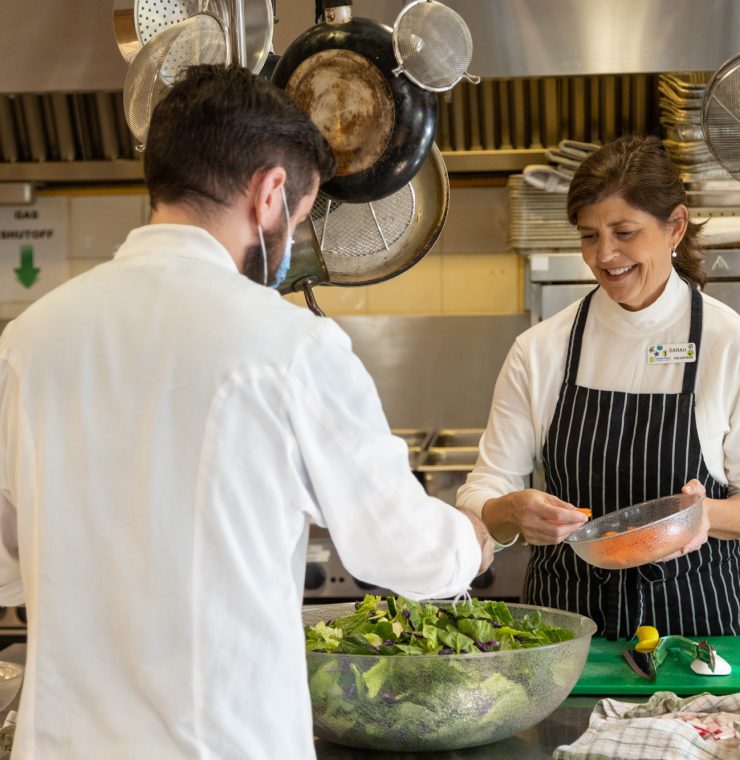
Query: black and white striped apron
606, 450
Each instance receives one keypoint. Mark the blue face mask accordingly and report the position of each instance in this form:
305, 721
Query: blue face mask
284, 265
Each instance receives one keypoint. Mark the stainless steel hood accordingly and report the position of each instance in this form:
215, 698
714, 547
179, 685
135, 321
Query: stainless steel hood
68, 46
533, 38
552, 68
530, 38
59, 46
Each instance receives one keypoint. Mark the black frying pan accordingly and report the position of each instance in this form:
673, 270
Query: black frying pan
380, 126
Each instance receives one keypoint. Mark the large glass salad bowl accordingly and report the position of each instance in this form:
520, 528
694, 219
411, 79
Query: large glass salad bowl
442, 701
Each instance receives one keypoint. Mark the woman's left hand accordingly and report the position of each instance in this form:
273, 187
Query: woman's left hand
702, 534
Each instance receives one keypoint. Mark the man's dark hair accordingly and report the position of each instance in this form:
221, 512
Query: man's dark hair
217, 127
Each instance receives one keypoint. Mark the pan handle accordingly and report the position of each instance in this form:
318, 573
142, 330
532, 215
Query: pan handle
306, 285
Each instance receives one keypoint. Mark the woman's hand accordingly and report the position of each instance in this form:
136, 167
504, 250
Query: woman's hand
702, 534
538, 516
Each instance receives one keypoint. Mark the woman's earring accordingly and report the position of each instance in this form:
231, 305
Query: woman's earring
673, 253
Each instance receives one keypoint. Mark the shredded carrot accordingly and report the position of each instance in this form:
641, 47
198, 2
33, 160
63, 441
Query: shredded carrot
610, 533
585, 511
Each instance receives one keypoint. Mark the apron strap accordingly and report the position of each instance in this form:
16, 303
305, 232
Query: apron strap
576, 339
697, 309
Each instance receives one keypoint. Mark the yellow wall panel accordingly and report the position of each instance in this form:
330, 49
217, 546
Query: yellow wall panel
416, 291
480, 283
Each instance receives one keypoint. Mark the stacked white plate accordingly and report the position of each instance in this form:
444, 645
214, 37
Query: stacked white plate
538, 220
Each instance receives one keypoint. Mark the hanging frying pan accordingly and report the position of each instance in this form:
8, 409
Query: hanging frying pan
380, 126
351, 244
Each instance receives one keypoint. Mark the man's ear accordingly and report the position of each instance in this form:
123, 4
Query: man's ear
266, 196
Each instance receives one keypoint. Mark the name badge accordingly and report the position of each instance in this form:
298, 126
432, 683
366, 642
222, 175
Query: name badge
671, 353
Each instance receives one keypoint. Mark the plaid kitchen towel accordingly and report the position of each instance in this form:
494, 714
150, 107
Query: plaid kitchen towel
667, 727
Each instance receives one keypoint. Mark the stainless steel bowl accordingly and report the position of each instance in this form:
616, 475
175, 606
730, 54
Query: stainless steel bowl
413, 703
639, 534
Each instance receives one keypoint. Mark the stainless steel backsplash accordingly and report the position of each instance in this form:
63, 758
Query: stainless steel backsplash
434, 371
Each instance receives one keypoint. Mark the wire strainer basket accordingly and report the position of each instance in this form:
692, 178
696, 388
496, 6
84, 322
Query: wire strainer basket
366, 243
721, 116
352, 235
135, 22
199, 39
433, 46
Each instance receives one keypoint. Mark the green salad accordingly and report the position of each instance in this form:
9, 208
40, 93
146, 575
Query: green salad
413, 701
403, 627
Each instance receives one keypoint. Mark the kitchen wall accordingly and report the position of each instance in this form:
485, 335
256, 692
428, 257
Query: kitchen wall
469, 271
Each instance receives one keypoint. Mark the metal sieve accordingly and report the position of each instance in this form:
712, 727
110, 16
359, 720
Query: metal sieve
356, 236
199, 39
136, 22
432, 45
721, 116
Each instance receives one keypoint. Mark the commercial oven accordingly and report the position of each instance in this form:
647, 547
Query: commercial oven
555, 280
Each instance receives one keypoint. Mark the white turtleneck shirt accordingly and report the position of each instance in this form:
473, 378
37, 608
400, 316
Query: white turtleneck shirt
614, 357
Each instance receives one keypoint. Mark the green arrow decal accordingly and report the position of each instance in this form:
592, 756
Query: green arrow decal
27, 272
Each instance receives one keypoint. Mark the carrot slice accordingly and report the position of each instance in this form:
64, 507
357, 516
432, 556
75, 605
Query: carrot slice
585, 511
610, 533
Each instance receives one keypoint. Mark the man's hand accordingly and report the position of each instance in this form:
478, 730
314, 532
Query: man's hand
484, 539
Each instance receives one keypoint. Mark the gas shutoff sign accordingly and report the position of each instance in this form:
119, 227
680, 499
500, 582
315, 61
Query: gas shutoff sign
33, 249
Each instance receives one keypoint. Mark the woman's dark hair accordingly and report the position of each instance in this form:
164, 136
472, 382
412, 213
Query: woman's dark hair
639, 170
217, 127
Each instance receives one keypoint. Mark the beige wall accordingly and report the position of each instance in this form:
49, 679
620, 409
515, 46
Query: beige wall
469, 270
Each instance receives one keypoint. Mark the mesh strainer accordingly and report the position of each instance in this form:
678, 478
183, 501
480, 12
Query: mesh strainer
433, 46
135, 22
356, 238
721, 116
199, 39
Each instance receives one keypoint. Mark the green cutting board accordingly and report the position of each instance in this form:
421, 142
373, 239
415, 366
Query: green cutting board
607, 672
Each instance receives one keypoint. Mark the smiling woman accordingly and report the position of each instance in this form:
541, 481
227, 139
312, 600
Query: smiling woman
628, 250
630, 195
627, 396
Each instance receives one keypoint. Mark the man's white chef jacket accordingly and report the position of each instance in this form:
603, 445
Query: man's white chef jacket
167, 429
614, 357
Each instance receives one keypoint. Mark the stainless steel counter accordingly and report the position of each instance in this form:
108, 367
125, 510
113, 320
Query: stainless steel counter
564, 726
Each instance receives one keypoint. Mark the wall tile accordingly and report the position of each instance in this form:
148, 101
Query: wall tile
295, 298
98, 224
477, 220
10, 309
475, 283
335, 301
416, 291
78, 266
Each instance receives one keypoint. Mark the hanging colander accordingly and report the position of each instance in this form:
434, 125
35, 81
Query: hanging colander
432, 45
721, 116
196, 40
135, 22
